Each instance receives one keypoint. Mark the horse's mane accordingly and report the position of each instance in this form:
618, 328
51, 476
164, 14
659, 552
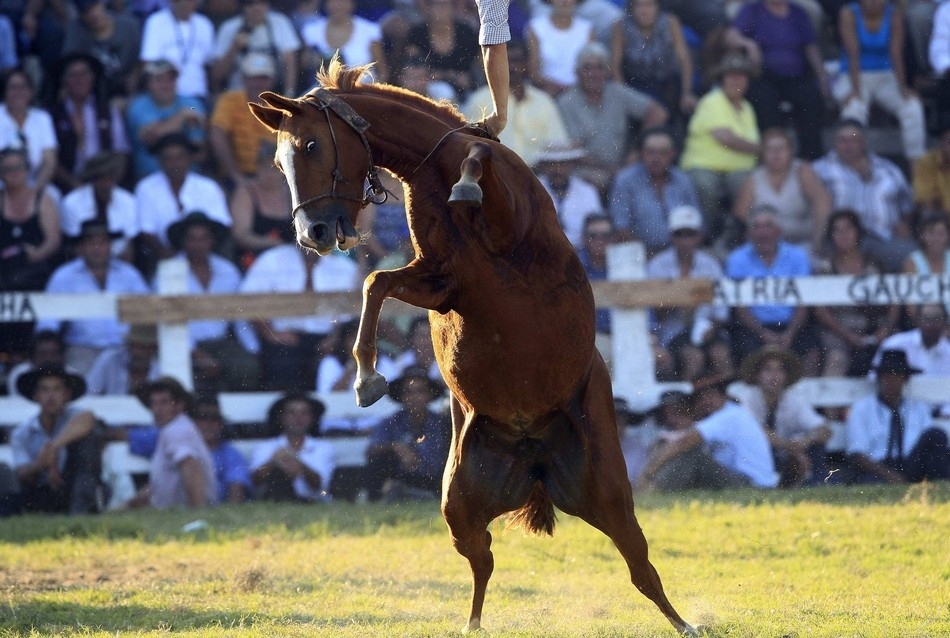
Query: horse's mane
339, 78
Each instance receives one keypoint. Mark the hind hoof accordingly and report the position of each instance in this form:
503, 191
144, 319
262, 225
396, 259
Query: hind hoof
371, 389
466, 194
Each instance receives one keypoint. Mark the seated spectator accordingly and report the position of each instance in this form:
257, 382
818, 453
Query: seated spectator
121, 369
181, 472
259, 208
639, 438
86, 122
534, 120
765, 254
160, 111
697, 338
931, 174
95, 270
295, 465
726, 448
407, 452
892, 438
219, 361
448, 46
643, 193
114, 39
927, 346
792, 188
722, 141
231, 470
597, 235
555, 40
779, 33
872, 62
168, 194
28, 128
933, 256
163, 39
47, 350
99, 197
56, 452
258, 30
850, 335
237, 137
289, 345
859, 180
574, 198
649, 53
596, 113
358, 40
797, 433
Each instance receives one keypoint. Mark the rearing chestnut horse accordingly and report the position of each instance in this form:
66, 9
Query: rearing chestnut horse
511, 310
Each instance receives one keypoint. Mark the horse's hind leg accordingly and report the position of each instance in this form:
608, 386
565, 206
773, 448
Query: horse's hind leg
466, 191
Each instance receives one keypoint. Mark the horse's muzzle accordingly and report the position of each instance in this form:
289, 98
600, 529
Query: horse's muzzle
326, 233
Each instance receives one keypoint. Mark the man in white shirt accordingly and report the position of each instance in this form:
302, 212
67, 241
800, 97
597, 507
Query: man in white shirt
574, 198
184, 37
926, 346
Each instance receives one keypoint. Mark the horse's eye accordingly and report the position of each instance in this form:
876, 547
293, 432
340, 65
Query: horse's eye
310, 147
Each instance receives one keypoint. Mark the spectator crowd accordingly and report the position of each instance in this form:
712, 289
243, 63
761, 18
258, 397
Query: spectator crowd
732, 138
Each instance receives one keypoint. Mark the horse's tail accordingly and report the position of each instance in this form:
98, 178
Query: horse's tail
537, 515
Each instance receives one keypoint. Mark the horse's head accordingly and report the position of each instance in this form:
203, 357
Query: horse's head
322, 152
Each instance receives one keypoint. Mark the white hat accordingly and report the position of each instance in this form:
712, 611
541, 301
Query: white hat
561, 152
685, 217
255, 64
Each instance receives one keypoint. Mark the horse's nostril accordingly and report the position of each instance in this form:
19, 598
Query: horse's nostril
319, 233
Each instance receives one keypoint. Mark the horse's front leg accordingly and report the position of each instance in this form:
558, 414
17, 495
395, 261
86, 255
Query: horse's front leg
419, 284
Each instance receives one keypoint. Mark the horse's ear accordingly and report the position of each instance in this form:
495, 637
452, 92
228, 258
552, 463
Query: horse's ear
273, 110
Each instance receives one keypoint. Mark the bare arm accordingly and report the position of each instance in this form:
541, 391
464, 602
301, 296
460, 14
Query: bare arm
818, 198
194, 481
52, 233
242, 222
685, 60
616, 51
743, 200
730, 140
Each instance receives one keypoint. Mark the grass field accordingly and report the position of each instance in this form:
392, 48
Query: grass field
831, 562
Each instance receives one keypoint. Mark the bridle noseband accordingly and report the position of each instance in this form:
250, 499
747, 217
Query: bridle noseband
322, 100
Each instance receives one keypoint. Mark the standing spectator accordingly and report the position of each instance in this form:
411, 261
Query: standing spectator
219, 360
93, 271
574, 198
288, 345
555, 41
939, 55
649, 53
927, 346
258, 30
862, 181
121, 369
184, 37
28, 128
407, 452
872, 39
448, 45
160, 111
114, 39
236, 135
181, 472
931, 182
644, 193
99, 197
358, 40
168, 194
722, 141
765, 254
295, 465
792, 188
780, 34
698, 338
86, 122
797, 433
892, 438
933, 256
534, 121
725, 448
850, 334
231, 470
596, 113
56, 453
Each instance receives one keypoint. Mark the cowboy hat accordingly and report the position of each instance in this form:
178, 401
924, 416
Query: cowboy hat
753, 361
176, 232
895, 361
27, 382
173, 139
397, 389
95, 227
561, 152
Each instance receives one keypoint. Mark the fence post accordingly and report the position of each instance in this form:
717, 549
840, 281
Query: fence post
174, 347
633, 370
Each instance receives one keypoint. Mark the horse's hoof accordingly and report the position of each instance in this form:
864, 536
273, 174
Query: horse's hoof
466, 194
371, 389
472, 627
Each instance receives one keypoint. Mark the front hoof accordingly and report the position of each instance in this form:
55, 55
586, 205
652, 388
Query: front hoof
466, 194
371, 389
